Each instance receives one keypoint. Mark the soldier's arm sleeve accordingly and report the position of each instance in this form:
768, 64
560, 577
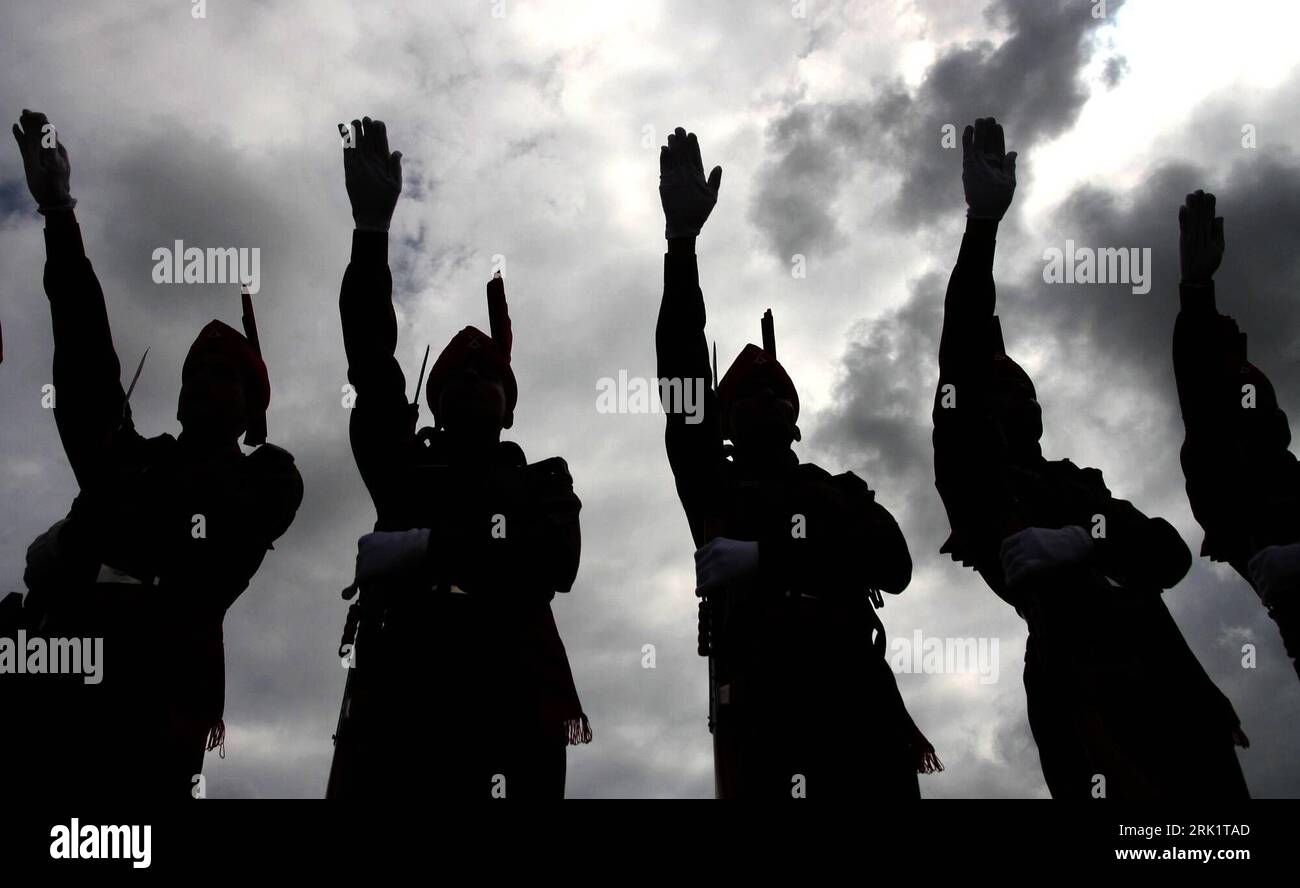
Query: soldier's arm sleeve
274, 497
1222, 424
381, 424
1205, 398
882, 556
693, 438
1197, 355
551, 552
558, 545
281, 492
963, 429
861, 548
1134, 548
539, 548
88, 394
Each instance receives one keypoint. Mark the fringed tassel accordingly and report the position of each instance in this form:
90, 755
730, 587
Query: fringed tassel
929, 763
927, 760
578, 730
217, 738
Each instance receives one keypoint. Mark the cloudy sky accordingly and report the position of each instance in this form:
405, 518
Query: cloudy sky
530, 130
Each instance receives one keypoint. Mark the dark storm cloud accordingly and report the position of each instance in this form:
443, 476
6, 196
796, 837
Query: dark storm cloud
1259, 196
508, 127
1031, 77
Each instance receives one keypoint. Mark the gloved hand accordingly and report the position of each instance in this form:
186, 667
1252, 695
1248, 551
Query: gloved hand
47, 169
988, 172
1275, 571
1200, 239
1037, 549
386, 555
687, 197
721, 562
373, 176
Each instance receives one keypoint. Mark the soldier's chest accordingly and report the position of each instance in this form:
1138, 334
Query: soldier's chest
439, 495
185, 510
755, 509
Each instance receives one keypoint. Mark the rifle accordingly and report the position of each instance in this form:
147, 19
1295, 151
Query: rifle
715, 617
255, 434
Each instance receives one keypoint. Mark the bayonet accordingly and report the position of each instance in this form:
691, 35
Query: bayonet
126, 402
136, 377
415, 398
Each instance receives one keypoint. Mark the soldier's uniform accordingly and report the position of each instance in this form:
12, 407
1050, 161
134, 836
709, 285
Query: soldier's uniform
802, 688
163, 537
1243, 481
461, 686
1113, 690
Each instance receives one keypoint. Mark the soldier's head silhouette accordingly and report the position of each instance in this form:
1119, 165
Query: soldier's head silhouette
223, 383
757, 400
1015, 403
471, 388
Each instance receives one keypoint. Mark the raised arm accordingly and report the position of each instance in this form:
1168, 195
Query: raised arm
965, 435
382, 425
1208, 356
693, 438
1204, 340
1243, 482
989, 181
88, 395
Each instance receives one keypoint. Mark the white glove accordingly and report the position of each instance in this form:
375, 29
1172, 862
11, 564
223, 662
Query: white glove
1275, 570
388, 554
1037, 549
721, 562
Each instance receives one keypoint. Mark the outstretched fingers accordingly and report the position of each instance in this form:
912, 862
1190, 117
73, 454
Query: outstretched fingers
693, 153
377, 137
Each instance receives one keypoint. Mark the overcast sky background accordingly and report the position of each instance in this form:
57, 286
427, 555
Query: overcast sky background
526, 135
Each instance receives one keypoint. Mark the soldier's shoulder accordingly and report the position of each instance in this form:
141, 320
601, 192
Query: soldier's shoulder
1087, 475
553, 466
271, 457
273, 465
134, 452
511, 454
846, 481
845, 484
813, 472
851, 482
272, 472
158, 444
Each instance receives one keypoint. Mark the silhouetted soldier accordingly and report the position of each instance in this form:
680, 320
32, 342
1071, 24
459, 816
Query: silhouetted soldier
163, 536
461, 685
790, 558
1242, 480
1113, 690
